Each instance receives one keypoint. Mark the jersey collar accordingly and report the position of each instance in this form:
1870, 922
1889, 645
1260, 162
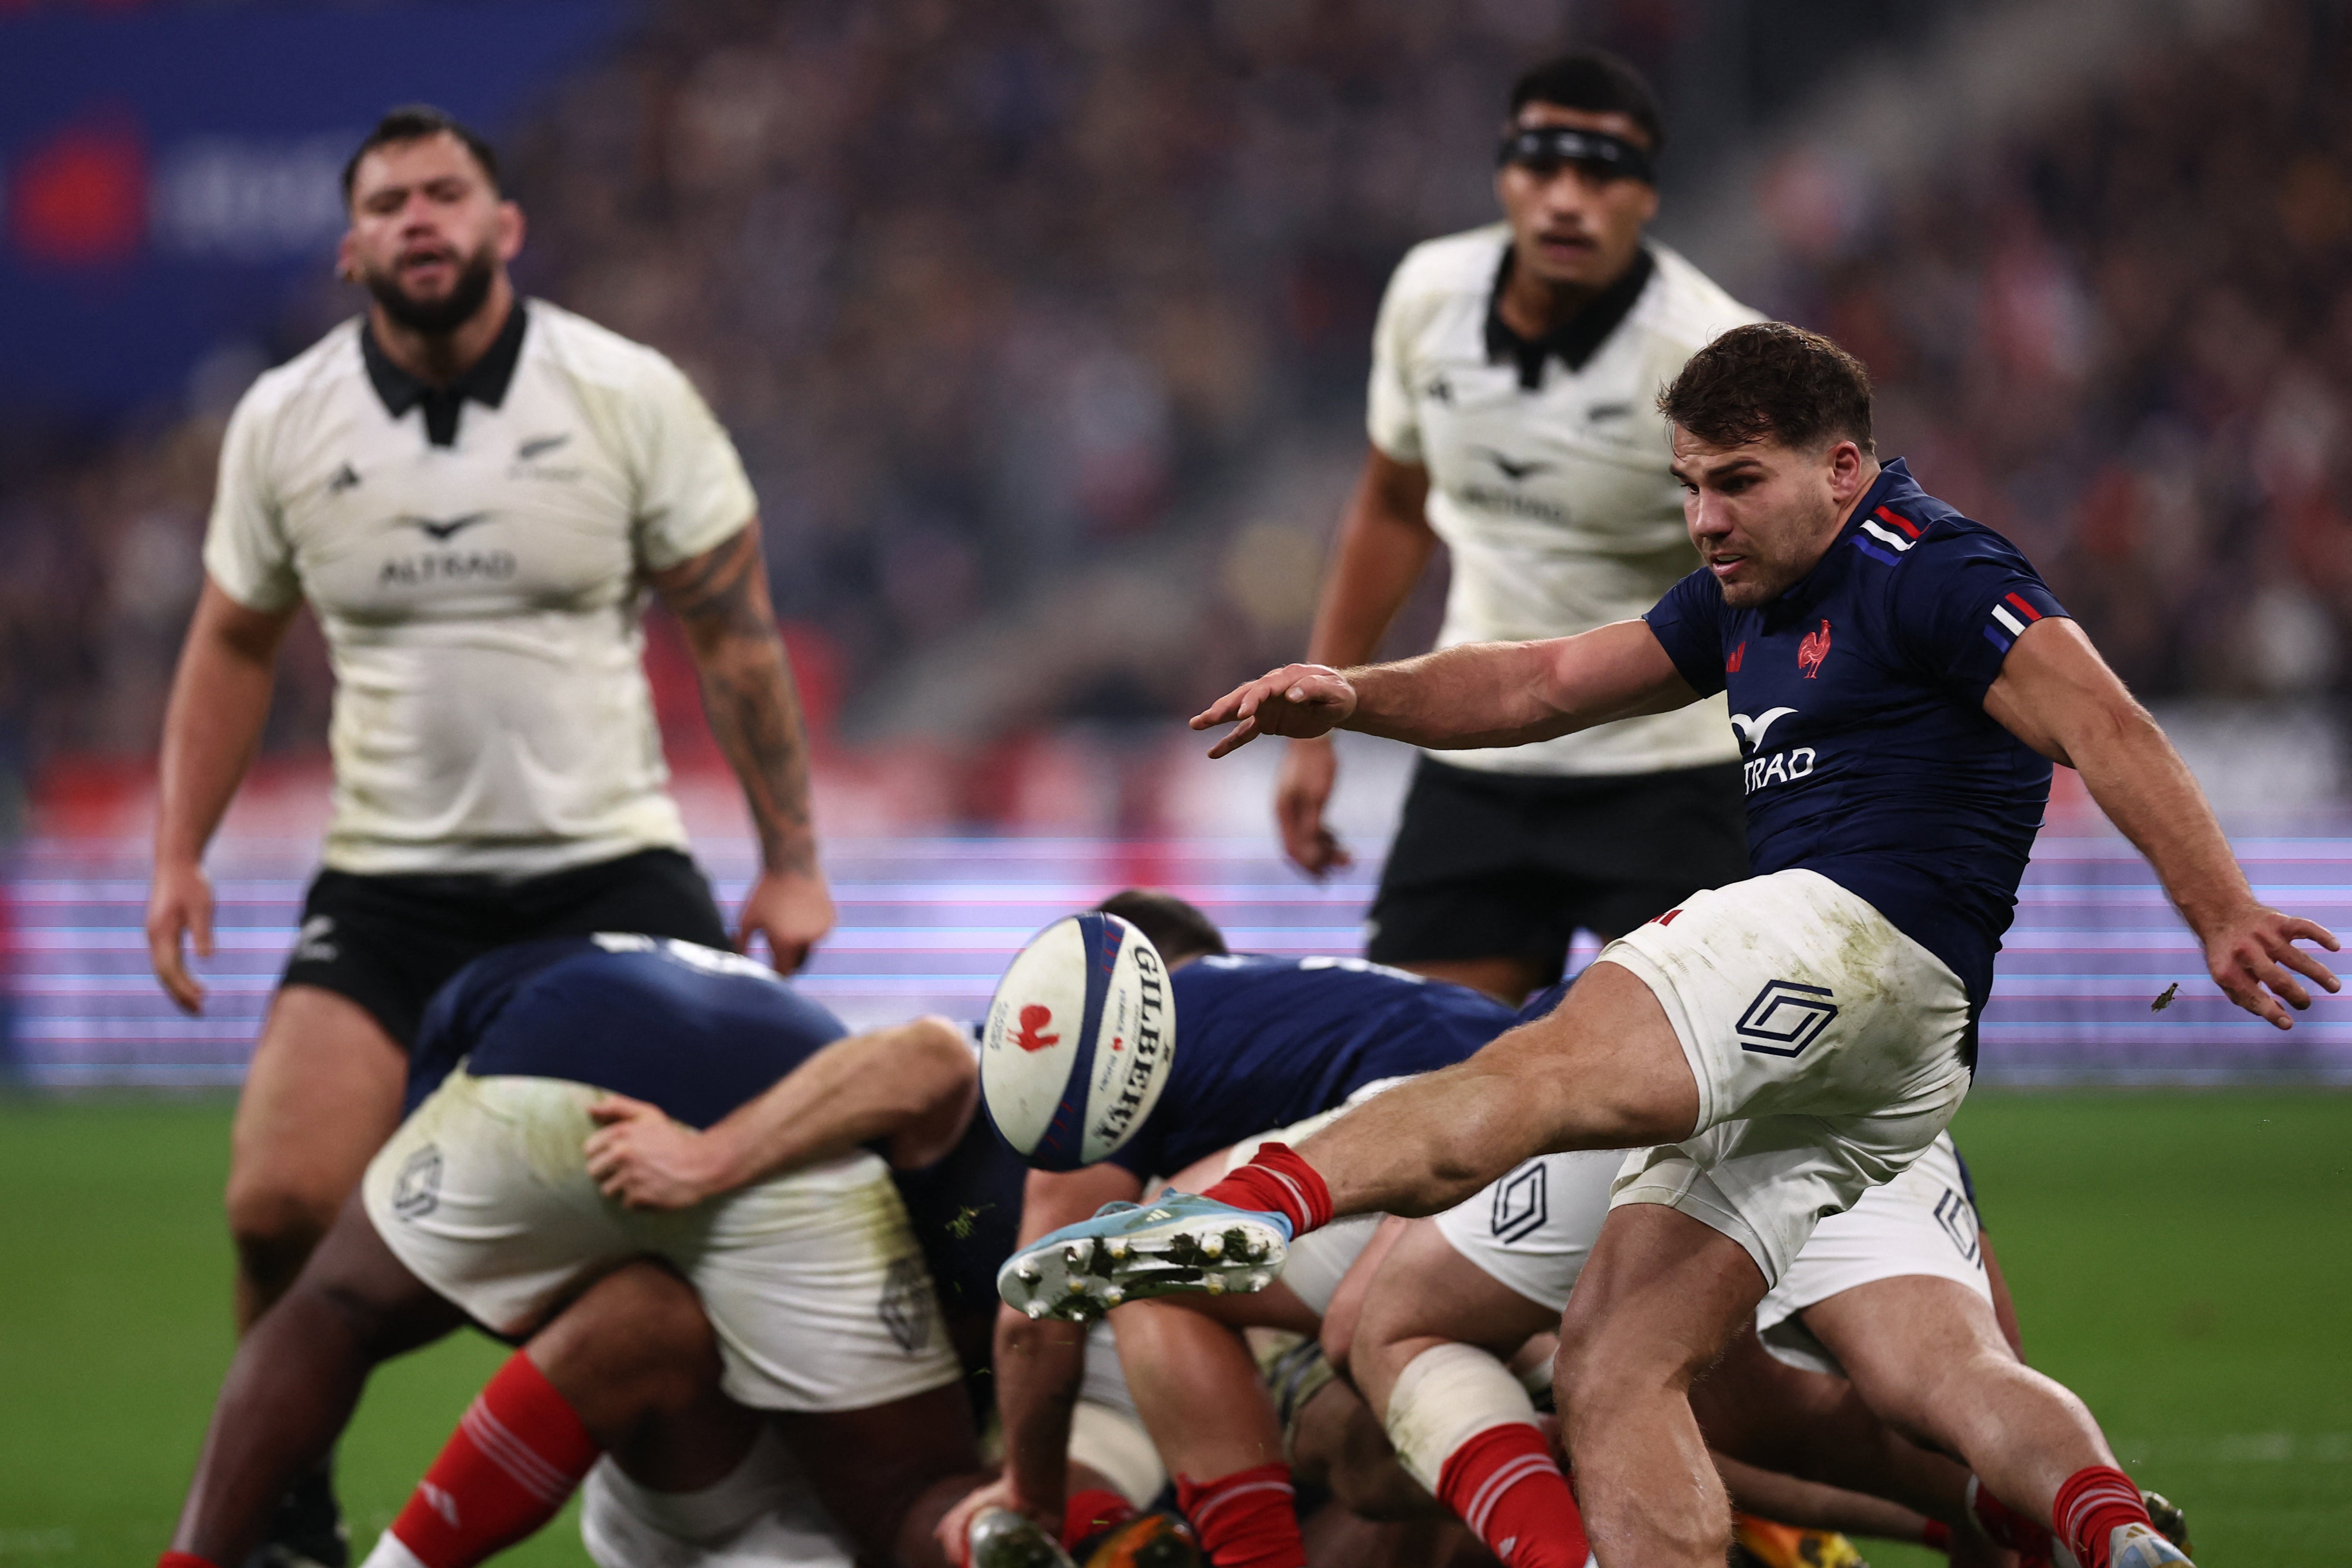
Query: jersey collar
1576, 340
485, 380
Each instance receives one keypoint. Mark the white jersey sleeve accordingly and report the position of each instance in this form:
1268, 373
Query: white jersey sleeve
246, 550
1390, 417
691, 490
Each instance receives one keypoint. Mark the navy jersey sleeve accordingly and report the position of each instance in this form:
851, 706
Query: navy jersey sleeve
1688, 623
1960, 603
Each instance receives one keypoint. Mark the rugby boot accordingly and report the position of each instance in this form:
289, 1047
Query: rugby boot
2137, 1546
1766, 1544
307, 1530
999, 1538
1180, 1245
1147, 1541
2168, 1518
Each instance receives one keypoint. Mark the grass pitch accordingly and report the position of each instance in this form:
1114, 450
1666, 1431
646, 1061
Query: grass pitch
2183, 1260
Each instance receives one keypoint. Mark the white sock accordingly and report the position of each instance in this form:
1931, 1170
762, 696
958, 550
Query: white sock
392, 1552
1445, 1397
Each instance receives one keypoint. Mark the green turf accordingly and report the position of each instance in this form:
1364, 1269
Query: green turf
2183, 1260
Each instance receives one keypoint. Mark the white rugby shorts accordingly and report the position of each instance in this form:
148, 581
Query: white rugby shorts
1921, 1223
812, 1281
1533, 1228
1826, 1044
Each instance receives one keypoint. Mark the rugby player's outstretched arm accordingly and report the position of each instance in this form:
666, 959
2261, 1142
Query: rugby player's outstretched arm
1481, 694
720, 600
914, 1084
2057, 695
220, 700
1040, 1364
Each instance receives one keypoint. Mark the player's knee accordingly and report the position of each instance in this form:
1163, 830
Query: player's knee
275, 1224
1608, 1362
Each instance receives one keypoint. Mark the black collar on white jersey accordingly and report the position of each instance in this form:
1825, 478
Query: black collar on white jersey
485, 380
1576, 340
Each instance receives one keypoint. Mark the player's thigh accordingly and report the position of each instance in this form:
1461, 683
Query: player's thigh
386, 1307
1660, 1297
1903, 1339
1427, 1293
870, 1464
1605, 1069
320, 1096
1920, 1225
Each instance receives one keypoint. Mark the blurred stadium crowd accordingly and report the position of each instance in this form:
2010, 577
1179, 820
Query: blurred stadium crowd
986, 293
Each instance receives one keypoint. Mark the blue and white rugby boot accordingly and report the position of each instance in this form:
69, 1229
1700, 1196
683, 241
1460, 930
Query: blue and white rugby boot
1182, 1245
2137, 1546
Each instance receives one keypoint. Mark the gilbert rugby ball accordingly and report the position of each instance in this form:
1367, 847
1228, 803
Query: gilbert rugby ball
1078, 1042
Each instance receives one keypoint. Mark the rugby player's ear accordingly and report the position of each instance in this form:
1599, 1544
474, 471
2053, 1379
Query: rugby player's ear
511, 229
346, 270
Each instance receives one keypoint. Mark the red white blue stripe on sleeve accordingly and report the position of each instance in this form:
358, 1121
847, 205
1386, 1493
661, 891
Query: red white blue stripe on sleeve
1890, 529
2011, 616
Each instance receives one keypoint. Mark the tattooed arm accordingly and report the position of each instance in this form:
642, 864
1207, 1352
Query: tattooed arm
720, 599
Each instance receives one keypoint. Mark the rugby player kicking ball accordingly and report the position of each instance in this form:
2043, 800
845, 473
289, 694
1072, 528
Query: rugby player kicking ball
1902, 681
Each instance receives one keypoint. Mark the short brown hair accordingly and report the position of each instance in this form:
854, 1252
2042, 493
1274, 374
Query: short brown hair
1177, 928
1771, 379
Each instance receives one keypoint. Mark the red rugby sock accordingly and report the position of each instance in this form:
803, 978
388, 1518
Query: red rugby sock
1936, 1536
184, 1560
1093, 1510
1246, 1520
2007, 1527
1278, 1181
1506, 1486
508, 1468
2094, 1501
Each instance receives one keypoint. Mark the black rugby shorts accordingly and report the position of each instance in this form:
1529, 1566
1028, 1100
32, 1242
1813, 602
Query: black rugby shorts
1513, 865
389, 942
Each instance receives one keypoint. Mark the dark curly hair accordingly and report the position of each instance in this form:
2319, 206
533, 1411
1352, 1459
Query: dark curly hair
415, 123
1771, 379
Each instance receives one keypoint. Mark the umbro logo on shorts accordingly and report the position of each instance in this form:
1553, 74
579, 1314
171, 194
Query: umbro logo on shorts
1785, 1018
905, 1308
1960, 1221
1522, 1202
416, 1191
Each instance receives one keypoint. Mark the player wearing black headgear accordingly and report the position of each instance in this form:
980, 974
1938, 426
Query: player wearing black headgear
1514, 370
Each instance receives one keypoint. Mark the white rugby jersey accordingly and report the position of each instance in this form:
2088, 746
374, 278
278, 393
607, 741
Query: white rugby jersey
479, 593
1555, 501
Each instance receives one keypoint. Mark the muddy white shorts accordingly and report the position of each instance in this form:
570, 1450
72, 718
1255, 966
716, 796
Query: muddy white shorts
1921, 1223
812, 1281
1533, 1228
1826, 1044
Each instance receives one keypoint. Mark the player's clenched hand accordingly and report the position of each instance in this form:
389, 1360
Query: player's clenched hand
180, 904
638, 1155
1302, 700
1301, 790
793, 910
2254, 948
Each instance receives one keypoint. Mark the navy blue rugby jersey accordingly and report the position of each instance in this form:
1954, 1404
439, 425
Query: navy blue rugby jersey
1264, 1042
1859, 697
691, 1029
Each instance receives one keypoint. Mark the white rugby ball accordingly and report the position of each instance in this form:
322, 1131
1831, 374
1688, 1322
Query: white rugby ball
1079, 1039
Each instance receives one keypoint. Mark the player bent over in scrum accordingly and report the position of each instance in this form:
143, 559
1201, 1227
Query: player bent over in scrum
1263, 1043
1903, 681
483, 1206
